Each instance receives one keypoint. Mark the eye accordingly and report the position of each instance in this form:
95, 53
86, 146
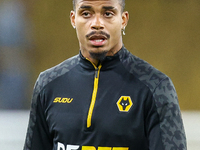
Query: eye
86, 14
109, 14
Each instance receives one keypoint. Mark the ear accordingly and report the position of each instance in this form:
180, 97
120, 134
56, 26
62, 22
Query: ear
72, 18
125, 18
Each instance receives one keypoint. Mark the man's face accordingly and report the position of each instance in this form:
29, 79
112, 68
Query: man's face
98, 25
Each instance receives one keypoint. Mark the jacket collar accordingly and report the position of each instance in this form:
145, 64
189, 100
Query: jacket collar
108, 63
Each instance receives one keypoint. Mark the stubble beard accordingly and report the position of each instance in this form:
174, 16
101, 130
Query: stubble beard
100, 56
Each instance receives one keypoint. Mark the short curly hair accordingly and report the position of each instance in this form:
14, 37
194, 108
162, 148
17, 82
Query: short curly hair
122, 3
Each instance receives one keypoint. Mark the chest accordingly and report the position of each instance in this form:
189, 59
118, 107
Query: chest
80, 112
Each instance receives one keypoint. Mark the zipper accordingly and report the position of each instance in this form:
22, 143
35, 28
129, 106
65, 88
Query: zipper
94, 94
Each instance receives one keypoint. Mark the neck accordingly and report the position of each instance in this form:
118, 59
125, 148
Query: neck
98, 55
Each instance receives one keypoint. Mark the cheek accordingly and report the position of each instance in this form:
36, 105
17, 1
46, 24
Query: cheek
115, 28
81, 33
116, 32
81, 29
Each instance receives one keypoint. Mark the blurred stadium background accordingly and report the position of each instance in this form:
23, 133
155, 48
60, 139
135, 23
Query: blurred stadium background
36, 35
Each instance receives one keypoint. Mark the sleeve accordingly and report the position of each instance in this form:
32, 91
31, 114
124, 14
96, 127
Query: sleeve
165, 125
38, 136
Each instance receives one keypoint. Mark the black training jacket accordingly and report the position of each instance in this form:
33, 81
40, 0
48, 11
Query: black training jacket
123, 104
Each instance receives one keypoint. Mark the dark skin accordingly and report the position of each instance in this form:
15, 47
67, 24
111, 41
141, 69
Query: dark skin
98, 26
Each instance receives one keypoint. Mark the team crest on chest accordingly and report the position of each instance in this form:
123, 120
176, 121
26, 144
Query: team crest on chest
124, 103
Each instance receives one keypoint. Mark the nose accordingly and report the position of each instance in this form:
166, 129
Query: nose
97, 23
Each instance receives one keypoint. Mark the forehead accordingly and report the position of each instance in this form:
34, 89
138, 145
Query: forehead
95, 3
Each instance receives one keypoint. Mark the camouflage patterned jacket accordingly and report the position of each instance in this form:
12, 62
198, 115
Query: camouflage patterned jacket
122, 104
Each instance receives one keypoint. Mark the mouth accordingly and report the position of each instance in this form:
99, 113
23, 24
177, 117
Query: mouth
98, 40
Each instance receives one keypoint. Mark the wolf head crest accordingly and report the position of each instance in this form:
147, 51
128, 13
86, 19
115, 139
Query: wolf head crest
124, 103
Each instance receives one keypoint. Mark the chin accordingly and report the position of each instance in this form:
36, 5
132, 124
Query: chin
98, 55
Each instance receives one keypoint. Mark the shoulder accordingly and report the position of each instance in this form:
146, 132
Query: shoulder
142, 70
164, 98
52, 73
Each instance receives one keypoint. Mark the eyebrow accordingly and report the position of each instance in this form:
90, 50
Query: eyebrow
109, 8
104, 7
85, 7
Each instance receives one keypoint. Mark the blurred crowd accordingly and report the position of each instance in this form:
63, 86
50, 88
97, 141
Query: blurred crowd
14, 47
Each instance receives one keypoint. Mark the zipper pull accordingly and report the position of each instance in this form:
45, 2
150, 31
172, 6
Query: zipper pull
97, 69
96, 72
